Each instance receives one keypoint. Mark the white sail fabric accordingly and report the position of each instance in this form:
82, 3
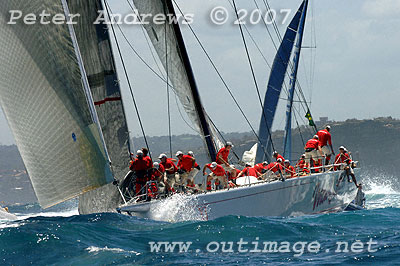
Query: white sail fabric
168, 50
250, 156
44, 102
98, 59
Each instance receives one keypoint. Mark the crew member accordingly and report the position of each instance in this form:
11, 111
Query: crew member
249, 171
302, 166
222, 158
261, 167
185, 167
218, 173
277, 156
274, 169
194, 172
156, 177
170, 170
146, 155
325, 139
289, 170
312, 150
344, 158
140, 167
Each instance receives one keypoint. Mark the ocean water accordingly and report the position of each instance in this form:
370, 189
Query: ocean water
61, 237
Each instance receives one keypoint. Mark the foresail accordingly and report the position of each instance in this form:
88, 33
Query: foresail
287, 150
275, 82
164, 40
43, 99
95, 47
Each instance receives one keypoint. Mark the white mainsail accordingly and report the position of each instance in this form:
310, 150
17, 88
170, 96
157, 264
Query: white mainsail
42, 96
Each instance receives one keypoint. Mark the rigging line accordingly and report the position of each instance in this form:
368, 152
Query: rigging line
221, 78
298, 126
159, 75
254, 75
108, 9
168, 105
146, 38
299, 88
220, 133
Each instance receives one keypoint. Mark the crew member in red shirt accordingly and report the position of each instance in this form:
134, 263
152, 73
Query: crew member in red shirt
170, 170
222, 158
312, 150
194, 172
146, 156
344, 158
277, 156
185, 167
156, 177
302, 166
140, 167
274, 170
249, 171
218, 173
289, 170
261, 167
325, 139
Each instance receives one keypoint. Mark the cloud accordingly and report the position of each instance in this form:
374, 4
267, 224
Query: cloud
382, 8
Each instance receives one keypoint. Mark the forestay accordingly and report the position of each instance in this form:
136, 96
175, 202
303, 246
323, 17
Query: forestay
42, 97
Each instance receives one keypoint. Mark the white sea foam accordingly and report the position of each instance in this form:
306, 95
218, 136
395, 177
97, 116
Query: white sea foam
381, 192
93, 249
177, 208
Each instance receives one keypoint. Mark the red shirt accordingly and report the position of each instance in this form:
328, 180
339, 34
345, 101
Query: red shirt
168, 164
274, 167
186, 163
324, 137
140, 164
301, 164
290, 170
249, 171
158, 172
230, 176
218, 171
224, 152
281, 157
312, 144
259, 167
342, 158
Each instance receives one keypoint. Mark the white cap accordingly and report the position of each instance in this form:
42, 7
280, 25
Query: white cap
139, 152
233, 166
248, 164
229, 144
287, 161
328, 127
279, 160
342, 148
156, 165
265, 162
162, 155
213, 164
178, 153
275, 152
190, 153
303, 155
315, 137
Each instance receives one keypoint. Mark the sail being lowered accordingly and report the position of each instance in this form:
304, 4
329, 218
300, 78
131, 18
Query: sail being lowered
275, 82
42, 96
168, 43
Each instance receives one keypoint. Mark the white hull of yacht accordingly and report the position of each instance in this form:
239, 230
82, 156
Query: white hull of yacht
317, 193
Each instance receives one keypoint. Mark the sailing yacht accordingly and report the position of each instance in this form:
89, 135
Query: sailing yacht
59, 91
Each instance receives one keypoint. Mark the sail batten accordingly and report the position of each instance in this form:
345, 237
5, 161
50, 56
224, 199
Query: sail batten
275, 83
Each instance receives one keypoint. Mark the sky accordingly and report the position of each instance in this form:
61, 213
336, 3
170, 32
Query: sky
355, 65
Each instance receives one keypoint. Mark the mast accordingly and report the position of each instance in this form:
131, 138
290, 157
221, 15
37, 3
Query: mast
275, 83
205, 127
287, 153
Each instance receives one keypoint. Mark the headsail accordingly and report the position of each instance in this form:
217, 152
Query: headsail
276, 79
167, 38
42, 96
95, 47
287, 150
